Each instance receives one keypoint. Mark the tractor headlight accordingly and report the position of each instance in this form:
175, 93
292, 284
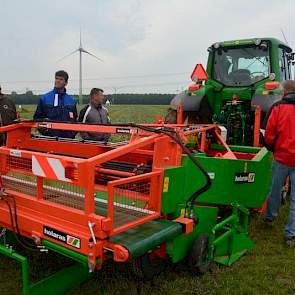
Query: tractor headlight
257, 41
272, 76
216, 45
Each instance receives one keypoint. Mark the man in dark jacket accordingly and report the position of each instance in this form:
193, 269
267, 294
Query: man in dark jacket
57, 105
280, 138
7, 114
95, 113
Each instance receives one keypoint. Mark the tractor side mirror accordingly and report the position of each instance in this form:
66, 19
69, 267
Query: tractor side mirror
199, 74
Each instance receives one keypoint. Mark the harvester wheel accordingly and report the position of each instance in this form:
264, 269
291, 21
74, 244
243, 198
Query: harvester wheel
147, 266
198, 257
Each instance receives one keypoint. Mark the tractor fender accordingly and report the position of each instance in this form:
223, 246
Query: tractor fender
264, 101
189, 103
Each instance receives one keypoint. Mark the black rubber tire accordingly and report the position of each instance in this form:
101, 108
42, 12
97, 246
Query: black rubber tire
198, 260
146, 268
171, 117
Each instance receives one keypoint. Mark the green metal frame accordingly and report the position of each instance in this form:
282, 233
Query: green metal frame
57, 283
179, 247
10, 253
229, 239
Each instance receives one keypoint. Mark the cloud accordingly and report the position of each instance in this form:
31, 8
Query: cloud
133, 37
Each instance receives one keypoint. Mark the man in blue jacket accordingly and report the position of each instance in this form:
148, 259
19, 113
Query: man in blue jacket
57, 105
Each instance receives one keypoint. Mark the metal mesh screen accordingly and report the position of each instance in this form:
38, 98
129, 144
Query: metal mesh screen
17, 178
130, 202
19, 163
66, 194
19, 182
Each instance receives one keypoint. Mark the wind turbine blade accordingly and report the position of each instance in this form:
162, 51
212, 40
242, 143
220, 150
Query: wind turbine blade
83, 50
68, 55
80, 37
284, 36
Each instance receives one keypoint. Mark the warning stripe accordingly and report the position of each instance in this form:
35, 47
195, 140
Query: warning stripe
58, 168
36, 168
49, 167
49, 172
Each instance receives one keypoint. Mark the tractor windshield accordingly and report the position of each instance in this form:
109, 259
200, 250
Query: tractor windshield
241, 66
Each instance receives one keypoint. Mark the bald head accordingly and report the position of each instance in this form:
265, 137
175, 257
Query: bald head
288, 86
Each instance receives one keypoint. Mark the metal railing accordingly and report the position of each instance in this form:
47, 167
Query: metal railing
133, 200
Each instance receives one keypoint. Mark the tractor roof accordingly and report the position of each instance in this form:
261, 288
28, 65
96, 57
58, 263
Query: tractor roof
249, 41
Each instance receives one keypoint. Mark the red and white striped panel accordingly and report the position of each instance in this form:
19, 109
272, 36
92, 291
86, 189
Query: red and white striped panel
49, 168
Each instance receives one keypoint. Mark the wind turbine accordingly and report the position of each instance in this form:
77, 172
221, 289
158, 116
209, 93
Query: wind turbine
80, 50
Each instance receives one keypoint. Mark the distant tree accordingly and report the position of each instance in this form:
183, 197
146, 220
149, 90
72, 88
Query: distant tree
124, 98
29, 93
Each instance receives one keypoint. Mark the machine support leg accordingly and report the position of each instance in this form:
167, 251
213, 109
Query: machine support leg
61, 281
233, 240
10, 253
57, 283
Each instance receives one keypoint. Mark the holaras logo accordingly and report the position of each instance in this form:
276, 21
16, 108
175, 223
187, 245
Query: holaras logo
244, 177
54, 234
73, 241
62, 237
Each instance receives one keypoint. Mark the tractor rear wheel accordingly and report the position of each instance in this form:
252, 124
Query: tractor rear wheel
147, 266
171, 116
198, 259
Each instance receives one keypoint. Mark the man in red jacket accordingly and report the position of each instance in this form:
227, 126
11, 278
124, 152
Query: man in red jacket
280, 138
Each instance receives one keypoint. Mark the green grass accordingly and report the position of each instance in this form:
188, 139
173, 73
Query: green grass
268, 269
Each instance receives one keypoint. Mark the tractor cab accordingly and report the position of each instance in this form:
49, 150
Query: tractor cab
248, 63
238, 88
241, 66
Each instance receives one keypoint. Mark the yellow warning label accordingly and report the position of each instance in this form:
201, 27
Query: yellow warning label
245, 167
182, 212
166, 185
265, 92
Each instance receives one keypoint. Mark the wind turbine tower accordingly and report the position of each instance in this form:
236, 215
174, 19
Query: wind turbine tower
80, 50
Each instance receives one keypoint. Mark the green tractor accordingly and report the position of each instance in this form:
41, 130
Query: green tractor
242, 76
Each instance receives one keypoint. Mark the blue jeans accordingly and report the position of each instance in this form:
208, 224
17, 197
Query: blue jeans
279, 174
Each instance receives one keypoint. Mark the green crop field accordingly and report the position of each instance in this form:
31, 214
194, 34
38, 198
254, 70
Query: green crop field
118, 113
268, 269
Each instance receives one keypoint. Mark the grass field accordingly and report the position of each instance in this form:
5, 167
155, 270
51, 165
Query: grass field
268, 269
118, 113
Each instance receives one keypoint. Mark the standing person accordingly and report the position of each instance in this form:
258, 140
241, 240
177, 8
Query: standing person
7, 114
280, 138
95, 113
57, 105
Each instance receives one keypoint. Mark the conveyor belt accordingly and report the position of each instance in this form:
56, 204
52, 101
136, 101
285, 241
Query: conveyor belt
141, 239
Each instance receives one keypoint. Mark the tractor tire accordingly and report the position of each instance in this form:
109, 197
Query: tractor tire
171, 117
198, 260
146, 267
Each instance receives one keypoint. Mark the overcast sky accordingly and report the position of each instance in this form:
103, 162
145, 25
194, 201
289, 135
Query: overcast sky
146, 45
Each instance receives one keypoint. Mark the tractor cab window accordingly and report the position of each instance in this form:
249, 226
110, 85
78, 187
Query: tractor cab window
241, 66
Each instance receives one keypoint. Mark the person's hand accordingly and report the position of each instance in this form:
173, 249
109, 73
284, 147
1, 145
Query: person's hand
43, 130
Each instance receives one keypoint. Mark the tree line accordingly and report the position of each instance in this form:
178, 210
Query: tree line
126, 98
